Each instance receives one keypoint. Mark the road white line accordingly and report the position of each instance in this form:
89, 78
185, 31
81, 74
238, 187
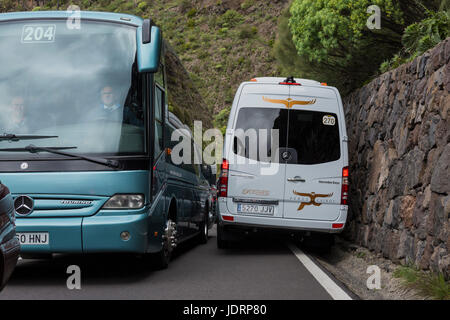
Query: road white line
325, 281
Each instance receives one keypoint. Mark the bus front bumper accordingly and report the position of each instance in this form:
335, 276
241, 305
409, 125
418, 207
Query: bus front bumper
99, 233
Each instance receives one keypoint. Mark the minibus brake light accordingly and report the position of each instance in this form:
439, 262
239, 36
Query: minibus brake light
223, 179
344, 190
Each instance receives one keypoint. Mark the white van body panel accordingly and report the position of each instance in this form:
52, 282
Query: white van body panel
303, 196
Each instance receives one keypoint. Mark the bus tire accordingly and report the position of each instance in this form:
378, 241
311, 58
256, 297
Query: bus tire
161, 259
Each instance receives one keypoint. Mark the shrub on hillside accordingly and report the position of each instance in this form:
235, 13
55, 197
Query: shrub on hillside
420, 37
426, 34
247, 32
231, 18
247, 4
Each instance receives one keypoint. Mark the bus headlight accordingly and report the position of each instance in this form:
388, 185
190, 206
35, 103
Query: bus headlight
125, 201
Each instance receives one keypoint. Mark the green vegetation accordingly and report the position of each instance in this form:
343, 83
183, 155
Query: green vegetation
330, 41
221, 119
231, 18
429, 284
420, 37
247, 4
217, 44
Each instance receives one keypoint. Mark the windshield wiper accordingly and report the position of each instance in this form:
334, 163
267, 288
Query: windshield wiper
34, 149
18, 137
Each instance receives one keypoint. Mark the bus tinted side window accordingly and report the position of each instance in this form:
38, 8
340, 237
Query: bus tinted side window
159, 107
169, 143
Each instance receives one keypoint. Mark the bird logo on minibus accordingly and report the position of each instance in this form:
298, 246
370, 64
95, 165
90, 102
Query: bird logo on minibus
312, 196
289, 103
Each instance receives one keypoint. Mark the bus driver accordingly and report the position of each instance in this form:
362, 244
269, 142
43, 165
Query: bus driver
109, 110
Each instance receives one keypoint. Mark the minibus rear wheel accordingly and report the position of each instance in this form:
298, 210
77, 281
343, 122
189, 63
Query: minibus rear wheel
319, 242
221, 242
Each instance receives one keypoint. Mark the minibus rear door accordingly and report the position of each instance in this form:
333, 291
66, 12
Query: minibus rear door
314, 160
256, 176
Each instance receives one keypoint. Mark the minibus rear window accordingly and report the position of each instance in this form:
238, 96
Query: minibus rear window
314, 136
257, 124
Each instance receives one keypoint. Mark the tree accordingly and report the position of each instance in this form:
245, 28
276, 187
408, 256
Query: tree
332, 36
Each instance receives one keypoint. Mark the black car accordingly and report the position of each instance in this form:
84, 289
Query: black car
9, 244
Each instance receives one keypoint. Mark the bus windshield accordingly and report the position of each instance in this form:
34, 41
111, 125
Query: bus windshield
80, 86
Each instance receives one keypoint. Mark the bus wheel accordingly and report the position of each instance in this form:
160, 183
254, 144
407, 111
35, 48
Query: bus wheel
221, 242
203, 235
162, 258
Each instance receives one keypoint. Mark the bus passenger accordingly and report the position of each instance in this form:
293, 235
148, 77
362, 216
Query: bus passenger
15, 120
110, 110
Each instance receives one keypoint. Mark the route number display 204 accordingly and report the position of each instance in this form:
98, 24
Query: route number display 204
38, 33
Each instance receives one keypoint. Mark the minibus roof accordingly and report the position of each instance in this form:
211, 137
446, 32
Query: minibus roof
277, 80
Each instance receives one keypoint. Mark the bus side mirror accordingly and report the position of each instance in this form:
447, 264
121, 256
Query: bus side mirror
149, 46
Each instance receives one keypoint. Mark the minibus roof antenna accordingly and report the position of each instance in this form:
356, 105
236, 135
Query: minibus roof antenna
290, 80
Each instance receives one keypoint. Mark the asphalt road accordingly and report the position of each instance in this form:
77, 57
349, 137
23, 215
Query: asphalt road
262, 268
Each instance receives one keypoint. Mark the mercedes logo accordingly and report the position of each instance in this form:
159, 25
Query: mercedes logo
286, 155
23, 205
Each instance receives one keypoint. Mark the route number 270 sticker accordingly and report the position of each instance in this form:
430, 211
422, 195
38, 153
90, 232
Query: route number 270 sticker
38, 33
328, 120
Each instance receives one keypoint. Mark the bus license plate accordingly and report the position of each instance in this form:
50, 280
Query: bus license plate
255, 209
33, 238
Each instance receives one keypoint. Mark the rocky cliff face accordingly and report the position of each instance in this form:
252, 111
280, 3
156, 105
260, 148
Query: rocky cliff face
398, 126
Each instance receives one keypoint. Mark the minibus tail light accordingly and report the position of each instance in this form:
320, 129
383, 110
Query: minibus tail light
223, 179
344, 192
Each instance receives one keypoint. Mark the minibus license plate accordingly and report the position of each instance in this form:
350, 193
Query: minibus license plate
33, 238
255, 209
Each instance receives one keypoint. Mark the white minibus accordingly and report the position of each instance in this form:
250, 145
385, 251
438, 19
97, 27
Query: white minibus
285, 163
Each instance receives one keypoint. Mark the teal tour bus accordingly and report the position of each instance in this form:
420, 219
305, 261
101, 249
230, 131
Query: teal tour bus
85, 138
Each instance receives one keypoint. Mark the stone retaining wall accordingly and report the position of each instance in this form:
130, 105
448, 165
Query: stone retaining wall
398, 128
